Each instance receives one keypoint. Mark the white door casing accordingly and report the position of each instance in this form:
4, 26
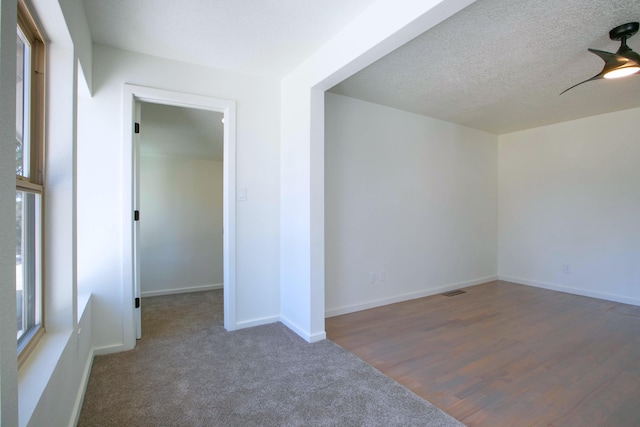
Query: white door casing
136, 223
132, 96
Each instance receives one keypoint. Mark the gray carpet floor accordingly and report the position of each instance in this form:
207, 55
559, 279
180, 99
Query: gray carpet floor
188, 371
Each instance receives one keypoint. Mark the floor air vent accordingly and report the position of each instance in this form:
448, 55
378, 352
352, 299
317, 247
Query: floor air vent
454, 293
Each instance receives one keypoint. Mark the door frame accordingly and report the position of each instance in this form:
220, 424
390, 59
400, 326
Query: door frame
133, 94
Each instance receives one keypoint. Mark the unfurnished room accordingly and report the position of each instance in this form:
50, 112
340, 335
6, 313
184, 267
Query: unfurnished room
338, 213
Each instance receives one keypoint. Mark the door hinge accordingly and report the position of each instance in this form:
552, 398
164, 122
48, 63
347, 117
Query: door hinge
137, 302
136, 215
136, 128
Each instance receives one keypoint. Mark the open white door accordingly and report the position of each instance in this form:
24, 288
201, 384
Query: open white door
136, 219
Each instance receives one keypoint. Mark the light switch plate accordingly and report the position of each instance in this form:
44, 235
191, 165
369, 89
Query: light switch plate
242, 194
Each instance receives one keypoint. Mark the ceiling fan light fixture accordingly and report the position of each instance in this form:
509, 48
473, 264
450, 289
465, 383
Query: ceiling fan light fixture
621, 72
624, 62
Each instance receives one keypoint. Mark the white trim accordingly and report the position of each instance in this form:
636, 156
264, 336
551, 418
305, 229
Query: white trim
310, 338
257, 322
318, 336
84, 382
109, 349
136, 141
575, 291
406, 297
131, 95
183, 290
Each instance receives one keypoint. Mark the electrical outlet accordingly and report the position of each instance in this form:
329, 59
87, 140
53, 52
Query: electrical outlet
372, 277
566, 268
383, 276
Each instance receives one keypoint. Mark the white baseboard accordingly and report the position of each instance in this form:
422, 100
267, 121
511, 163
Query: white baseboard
84, 381
575, 291
257, 322
406, 297
108, 349
307, 336
181, 290
318, 336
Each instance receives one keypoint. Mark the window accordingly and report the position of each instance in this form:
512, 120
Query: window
29, 182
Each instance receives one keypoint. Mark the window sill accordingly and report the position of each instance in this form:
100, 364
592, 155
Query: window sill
34, 376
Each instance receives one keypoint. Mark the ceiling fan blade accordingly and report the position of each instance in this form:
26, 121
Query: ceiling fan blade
608, 57
611, 61
620, 64
622, 57
630, 55
596, 77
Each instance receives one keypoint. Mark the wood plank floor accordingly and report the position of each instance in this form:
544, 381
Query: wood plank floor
507, 355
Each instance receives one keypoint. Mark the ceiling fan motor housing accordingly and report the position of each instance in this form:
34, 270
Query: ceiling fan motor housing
624, 31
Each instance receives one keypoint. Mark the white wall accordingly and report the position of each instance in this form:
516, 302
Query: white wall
60, 380
180, 224
8, 363
78, 28
570, 194
381, 28
100, 182
407, 195
47, 388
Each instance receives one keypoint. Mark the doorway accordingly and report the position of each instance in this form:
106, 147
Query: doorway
181, 164
136, 98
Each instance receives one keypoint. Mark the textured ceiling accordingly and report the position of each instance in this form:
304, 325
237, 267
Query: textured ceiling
500, 65
264, 37
177, 131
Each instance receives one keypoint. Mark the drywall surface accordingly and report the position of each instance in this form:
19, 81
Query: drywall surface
410, 205
100, 182
180, 223
78, 28
65, 360
381, 28
569, 206
8, 363
50, 379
